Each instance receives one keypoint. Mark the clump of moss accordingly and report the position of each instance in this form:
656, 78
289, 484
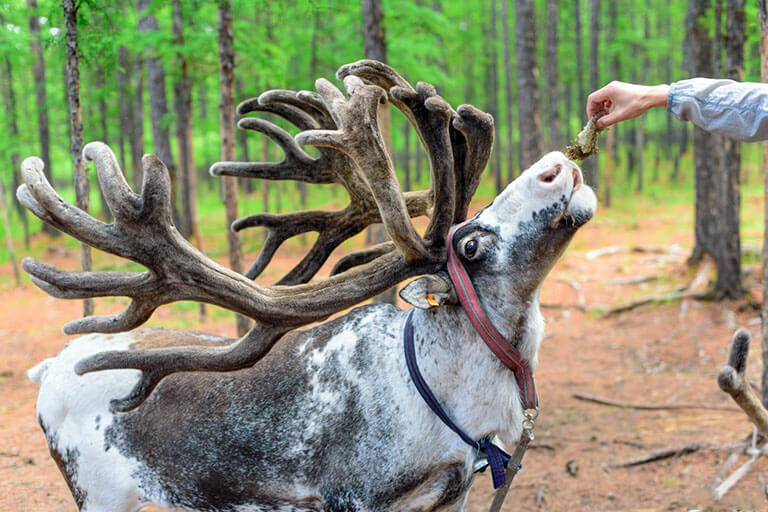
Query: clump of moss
585, 143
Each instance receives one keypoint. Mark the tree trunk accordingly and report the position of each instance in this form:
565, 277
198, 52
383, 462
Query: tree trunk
202, 99
125, 103
182, 93
579, 58
375, 47
671, 137
8, 235
508, 96
187, 172
136, 125
613, 140
717, 41
589, 166
728, 243
407, 155
242, 139
41, 102
493, 102
227, 122
76, 130
128, 112
698, 56
553, 15
762, 14
9, 102
374, 36
100, 82
527, 88
265, 184
161, 139
640, 123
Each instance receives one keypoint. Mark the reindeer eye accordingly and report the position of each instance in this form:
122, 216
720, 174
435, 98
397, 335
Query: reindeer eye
470, 248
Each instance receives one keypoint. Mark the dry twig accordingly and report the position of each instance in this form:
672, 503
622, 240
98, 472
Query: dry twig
676, 451
660, 297
649, 407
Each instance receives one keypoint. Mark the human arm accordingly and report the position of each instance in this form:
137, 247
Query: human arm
735, 109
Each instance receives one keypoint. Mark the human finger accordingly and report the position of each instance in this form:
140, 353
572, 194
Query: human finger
599, 101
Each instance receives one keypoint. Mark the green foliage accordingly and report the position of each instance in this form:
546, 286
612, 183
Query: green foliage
288, 44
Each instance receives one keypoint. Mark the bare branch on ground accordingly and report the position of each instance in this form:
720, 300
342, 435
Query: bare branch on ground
650, 407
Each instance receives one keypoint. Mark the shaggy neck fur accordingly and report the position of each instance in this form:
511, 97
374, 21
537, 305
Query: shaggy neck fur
449, 350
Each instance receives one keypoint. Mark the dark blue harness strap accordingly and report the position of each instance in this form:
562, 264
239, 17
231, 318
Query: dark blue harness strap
497, 458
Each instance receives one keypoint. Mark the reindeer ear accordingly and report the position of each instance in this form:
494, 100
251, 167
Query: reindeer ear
429, 291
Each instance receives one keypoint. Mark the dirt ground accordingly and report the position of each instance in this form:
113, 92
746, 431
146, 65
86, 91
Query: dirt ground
666, 353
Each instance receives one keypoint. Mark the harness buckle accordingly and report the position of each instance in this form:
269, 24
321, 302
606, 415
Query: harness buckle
480, 465
529, 420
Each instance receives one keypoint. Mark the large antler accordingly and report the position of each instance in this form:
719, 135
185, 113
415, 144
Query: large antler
352, 152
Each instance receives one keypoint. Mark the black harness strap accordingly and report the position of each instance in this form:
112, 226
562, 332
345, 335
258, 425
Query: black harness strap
497, 458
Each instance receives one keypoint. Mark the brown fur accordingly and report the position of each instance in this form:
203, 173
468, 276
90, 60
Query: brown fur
162, 338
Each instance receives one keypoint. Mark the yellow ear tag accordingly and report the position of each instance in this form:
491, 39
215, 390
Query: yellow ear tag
431, 300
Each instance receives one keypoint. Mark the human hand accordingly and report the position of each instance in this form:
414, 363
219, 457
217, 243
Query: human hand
621, 101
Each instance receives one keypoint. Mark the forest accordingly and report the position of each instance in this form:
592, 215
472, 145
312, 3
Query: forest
476, 52
649, 295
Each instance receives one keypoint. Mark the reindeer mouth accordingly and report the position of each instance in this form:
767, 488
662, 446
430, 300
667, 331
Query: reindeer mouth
566, 218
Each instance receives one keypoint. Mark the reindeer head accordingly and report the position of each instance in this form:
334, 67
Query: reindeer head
517, 239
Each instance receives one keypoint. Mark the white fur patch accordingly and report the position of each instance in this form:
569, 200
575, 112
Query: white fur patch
75, 412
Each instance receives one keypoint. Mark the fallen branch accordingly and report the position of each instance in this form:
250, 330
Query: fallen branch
676, 451
604, 251
579, 292
672, 249
577, 307
737, 475
643, 249
631, 280
662, 297
730, 461
650, 407
732, 379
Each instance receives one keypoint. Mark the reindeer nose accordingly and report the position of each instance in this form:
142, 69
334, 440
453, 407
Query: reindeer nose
549, 175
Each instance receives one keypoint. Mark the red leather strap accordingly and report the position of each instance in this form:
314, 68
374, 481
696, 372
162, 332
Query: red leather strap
495, 341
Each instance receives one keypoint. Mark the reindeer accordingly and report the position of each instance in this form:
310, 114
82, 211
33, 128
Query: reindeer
329, 419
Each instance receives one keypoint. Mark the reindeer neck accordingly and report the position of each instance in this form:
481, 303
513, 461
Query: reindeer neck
471, 383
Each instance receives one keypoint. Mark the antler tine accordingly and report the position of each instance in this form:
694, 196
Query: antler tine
296, 164
472, 147
430, 115
39, 196
360, 138
84, 285
281, 227
377, 73
27, 200
291, 114
316, 109
121, 200
163, 362
362, 257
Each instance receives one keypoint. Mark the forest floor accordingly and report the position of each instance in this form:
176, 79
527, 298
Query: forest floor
665, 353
